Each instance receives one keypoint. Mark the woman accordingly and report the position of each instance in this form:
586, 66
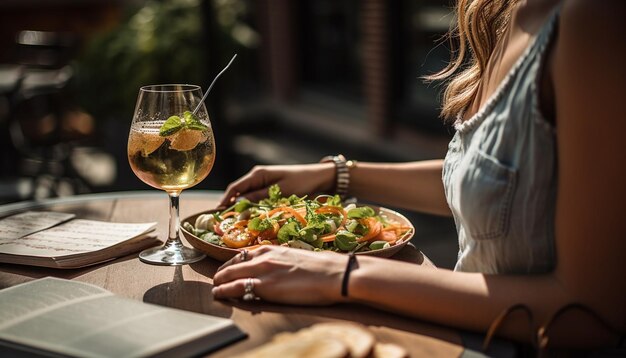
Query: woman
532, 178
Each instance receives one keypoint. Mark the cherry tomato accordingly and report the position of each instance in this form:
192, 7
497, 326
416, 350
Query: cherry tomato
237, 238
223, 226
269, 234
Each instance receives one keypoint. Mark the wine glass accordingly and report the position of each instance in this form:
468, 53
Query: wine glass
171, 148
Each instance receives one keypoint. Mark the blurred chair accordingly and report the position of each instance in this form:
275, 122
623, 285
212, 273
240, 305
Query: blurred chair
43, 123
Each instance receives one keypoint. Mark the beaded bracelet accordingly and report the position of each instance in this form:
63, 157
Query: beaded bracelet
352, 265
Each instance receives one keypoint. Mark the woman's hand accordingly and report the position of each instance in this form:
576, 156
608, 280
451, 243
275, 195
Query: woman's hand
284, 275
292, 179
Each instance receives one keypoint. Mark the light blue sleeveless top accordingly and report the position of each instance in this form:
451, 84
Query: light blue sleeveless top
500, 174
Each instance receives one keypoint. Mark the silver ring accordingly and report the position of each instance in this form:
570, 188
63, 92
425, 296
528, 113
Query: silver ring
249, 290
243, 255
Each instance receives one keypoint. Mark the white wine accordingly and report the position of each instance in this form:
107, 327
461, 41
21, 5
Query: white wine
170, 163
171, 147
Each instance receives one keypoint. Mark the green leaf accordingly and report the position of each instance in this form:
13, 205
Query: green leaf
345, 240
334, 201
197, 127
259, 224
318, 244
212, 238
192, 122
274, 193
309, 234
356, 227
361, 212
377, 245
294, 199
288, 232
171, 126
242, 205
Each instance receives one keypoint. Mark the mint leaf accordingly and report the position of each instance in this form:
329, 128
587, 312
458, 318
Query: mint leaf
192, 122
171, 126
175, 123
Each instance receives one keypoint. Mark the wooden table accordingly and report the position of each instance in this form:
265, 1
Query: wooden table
189, 287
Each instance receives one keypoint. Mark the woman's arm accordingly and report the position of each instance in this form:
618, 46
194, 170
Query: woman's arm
415, 185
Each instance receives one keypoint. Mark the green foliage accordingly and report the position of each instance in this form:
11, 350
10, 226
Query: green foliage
345, 241
242, 205
361, 212
275, 198
159, 43
288, 232
259, 224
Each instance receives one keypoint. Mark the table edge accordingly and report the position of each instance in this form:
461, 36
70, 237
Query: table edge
11, 208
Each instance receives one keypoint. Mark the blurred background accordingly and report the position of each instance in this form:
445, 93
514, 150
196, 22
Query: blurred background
312, 78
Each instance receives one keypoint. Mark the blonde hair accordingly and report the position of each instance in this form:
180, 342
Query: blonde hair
480, 24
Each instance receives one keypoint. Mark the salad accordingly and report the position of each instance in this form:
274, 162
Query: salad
322, 223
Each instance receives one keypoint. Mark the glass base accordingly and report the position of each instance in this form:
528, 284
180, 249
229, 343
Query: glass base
173, 253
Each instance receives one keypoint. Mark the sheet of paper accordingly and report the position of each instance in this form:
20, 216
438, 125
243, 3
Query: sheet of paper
29, 222
74, 237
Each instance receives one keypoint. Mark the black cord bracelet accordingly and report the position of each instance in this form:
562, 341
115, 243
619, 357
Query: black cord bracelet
352, 264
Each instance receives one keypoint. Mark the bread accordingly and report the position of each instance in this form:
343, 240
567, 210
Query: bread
300, 347
329, 339
389, 350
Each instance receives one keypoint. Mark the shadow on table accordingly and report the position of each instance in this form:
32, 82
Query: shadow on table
192, 296
207, 267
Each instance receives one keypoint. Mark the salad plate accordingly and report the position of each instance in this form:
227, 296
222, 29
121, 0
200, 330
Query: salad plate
320, 224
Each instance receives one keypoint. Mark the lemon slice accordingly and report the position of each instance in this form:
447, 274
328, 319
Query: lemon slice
145, 143
186, 139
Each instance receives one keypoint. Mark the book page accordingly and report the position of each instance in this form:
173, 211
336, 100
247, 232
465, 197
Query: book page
78, 319
29, 222
74, 237
33, 298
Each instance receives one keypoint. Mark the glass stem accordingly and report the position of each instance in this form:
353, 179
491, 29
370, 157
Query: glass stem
174, 219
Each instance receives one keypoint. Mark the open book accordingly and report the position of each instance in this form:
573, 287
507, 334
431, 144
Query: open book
48, 239
55, 317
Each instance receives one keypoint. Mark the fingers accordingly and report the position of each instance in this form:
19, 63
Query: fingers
235, 268
248, 185
233, 272
239, 258
236, 289
234, 190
